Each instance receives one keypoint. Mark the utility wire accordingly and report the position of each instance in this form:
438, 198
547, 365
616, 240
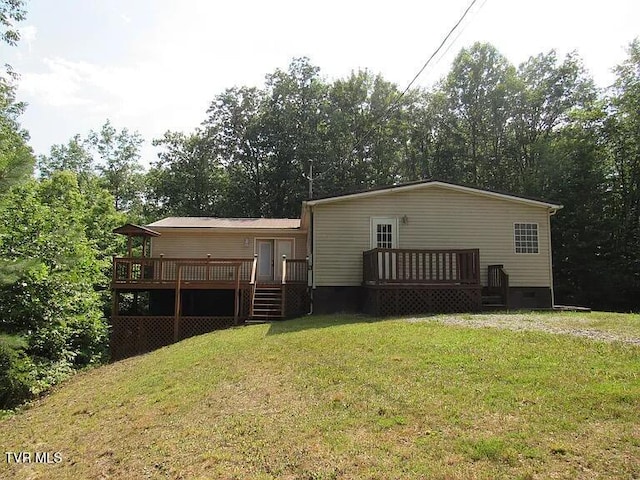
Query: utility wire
460, 33
396, 102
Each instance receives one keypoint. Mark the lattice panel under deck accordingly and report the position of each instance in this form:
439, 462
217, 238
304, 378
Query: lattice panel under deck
297, 300
192, 326
407, 301
135, 335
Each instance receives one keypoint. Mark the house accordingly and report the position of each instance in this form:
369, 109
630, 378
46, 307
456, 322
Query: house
416, 247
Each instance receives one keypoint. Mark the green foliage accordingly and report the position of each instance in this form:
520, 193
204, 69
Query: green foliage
188, 178
16, 158
11, 11
16, 372
622, 133
72, 157
50, 276
118, 165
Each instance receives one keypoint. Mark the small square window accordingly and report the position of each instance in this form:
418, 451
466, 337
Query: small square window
526, 237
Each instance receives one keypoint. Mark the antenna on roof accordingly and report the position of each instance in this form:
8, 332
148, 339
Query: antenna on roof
310, 178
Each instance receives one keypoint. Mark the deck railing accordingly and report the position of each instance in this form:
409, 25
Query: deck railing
498, 282
161, 269
296, 270
394, 265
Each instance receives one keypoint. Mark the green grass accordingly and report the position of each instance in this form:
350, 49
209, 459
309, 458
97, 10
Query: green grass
349, 397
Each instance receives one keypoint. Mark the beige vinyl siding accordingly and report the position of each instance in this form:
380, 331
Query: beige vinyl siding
195, 243
437, 218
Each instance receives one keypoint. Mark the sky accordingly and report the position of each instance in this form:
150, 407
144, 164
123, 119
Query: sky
156, 65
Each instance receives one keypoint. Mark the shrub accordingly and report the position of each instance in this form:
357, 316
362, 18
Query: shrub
17, 380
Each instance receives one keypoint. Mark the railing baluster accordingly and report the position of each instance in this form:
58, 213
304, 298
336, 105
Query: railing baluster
421, 266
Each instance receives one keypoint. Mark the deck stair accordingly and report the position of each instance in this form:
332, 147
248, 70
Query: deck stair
267, 303
496, 294
493, 302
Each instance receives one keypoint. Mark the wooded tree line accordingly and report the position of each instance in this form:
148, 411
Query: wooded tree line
540, 129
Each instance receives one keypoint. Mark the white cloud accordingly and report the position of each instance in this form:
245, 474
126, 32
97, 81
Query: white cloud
173, 61
28, 34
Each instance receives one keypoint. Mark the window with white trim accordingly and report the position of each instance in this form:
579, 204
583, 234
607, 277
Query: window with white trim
384, 232
384, 235
526, 237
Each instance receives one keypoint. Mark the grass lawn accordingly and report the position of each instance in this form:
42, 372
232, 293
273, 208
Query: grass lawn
350, 397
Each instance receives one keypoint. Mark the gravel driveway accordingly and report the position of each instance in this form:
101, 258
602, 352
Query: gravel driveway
528, 322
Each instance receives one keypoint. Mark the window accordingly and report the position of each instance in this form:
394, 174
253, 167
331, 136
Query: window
384, 237
526, 237
384, 233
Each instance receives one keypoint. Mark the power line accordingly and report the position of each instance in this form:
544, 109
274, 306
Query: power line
396, 102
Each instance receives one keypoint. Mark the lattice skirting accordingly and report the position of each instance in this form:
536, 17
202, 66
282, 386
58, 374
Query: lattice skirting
135, 335
407, 300
296, 300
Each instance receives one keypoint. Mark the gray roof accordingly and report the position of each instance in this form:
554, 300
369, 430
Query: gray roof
214, 222
429, 183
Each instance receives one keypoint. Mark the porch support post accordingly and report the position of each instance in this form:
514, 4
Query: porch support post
114, 304
236, 310
178, 300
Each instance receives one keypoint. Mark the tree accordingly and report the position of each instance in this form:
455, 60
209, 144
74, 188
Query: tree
188, 179
366, 133
480, 89
72, 157
11, 11
549, 91
233, 132
51, 298
290, 123
16, 157
623, 141
119, 166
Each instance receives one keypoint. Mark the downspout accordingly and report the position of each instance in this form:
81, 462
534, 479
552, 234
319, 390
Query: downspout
552, 211
313, 259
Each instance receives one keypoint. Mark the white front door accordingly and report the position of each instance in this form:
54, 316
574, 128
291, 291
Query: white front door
384, 234
265, 260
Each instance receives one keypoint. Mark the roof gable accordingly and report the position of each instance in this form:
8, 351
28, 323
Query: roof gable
133, 230
434, 184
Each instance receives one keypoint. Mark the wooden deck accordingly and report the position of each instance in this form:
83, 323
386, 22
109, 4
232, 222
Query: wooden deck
200, 273
409, 281
136, 330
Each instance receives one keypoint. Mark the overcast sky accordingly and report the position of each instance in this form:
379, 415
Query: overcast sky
155, 65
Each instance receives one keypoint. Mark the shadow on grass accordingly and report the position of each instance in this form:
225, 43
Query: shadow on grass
313, 322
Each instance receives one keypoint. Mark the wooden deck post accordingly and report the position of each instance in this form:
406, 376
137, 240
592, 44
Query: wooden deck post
236, 310
178, 300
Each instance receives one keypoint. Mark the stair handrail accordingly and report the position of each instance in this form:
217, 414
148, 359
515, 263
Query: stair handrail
284, 269
504, 280
284, 284
498, 280
254, 269
252, 282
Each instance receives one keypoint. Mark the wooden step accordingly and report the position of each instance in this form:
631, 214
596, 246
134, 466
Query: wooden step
267, 303
491, 299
